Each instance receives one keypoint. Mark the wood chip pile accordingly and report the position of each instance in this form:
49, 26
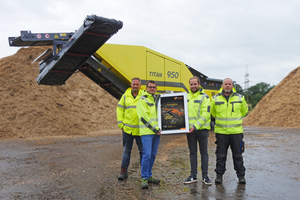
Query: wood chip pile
29, 110
280, 107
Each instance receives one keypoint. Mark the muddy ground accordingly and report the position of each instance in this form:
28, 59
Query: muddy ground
88, 167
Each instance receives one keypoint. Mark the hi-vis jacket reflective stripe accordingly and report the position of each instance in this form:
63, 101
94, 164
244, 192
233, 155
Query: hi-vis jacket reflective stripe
147, 112
199, 109
126, 113
229, 115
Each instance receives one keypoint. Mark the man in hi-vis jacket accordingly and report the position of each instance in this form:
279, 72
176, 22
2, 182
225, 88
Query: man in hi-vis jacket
199, 124
149, 130
129, 123
229, 108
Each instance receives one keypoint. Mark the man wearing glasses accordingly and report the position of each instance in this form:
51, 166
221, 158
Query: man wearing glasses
149, 131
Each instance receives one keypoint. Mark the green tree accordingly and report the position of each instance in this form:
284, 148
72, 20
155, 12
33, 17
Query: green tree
269, 89
256, 98
239, 89
256, 92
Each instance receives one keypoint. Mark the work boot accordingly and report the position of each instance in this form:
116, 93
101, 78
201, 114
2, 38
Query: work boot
153, 180
123, 175
144, 183
242, 180
219, 179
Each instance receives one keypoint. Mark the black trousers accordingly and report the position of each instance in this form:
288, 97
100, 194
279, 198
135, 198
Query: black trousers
223, 142
201, 137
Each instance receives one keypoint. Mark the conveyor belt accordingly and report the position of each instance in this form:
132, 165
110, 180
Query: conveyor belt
94, 32
90, 37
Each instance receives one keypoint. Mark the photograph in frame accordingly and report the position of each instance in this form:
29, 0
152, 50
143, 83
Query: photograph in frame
173, 113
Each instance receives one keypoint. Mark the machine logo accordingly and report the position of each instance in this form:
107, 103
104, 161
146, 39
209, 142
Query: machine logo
156, 74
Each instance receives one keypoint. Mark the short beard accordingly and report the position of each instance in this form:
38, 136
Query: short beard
135, 90
196, 90
228, 91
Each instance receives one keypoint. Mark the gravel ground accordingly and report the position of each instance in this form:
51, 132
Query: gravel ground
88, 167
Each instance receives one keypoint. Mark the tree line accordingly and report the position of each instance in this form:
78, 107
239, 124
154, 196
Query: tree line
254, 93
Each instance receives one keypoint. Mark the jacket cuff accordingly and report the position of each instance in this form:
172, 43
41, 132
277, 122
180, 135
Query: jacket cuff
156, 131
195, 128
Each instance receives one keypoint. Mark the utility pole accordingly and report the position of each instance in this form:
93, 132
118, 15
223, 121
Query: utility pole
246, 79
247, 87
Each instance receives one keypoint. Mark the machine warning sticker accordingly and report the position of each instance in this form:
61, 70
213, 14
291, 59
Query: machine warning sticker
39, 36
63, 34
55, 36
47, 36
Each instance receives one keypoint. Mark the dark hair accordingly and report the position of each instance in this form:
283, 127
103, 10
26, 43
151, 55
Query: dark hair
195, 77
151, 81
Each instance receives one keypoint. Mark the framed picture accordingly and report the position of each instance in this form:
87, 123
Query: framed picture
173, 113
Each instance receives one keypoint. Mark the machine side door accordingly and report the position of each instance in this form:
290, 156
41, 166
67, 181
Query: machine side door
155, 70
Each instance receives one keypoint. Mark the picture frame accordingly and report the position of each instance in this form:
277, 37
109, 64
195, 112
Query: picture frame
173, 113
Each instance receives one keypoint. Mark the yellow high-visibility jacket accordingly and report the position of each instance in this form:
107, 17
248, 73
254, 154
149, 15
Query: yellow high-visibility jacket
229, 115
147, 112
127, 114
199, 110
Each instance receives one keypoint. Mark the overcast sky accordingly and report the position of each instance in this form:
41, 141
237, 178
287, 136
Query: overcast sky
219, 38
